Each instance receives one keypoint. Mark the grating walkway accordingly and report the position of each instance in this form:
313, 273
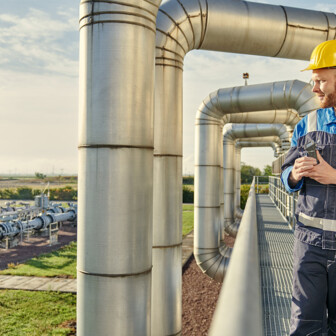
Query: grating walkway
276, 264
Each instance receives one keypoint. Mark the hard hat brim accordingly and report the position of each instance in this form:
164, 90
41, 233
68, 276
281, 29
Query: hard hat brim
310, 67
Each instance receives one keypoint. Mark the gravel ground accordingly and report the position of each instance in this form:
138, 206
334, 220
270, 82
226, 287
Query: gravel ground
199, 298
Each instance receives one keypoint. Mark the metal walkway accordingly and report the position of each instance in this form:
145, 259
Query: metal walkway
276, 264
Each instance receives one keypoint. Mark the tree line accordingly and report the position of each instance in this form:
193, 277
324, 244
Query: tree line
246, 172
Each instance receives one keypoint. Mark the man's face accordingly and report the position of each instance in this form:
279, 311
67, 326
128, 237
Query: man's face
325, 86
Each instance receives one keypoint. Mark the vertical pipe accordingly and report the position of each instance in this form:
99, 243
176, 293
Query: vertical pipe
207, 227
115, 175
177, 33
293, 211
167, 207
228, 171
238, 180
221, 181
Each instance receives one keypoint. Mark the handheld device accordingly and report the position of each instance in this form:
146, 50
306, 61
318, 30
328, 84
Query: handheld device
310, 147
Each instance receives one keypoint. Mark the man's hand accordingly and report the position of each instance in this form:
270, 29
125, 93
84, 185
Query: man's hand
302, 167
323, 172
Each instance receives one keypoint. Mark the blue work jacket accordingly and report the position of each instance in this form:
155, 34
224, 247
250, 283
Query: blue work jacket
315, 200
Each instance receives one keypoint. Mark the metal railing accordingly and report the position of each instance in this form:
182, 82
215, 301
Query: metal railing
284, 201
259, 182
240, 297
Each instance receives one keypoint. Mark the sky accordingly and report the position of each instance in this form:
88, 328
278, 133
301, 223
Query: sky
39, 48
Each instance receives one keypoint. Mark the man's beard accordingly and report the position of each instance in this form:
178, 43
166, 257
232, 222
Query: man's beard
329, 100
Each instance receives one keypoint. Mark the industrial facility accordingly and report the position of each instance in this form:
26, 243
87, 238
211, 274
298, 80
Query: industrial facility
130, 272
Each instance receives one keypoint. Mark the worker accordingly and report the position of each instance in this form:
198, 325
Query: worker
310, 167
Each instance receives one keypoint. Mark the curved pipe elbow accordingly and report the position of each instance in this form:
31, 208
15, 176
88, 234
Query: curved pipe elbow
239, 213
306, 101
180, 27
213, 262
232, 228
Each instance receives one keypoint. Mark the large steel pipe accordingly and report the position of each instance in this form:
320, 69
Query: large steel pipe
232, 104
267, 141
231, 132
116, 122
287, 116
266, 30
185, 25
42, 222
115, 178
270, 141
285, 101
210, 253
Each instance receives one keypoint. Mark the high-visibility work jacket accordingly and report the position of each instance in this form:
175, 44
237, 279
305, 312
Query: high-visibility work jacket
316, 205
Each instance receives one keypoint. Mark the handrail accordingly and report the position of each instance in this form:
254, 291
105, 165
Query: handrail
239, 308
285, 202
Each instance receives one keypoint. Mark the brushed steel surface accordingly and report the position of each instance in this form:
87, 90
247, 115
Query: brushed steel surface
167, 190
261, 144
266, 30
115, 235
116, 94
185, 25
286, 116
207, 138
240, 297
278, 103
206, 188
232, 132
207, 235
167, 273
113, 306
237, 181
105, 66
115, 178
167, 198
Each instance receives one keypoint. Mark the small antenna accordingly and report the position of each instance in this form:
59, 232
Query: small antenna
246, 76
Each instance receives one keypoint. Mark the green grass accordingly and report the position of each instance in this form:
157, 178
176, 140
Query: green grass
58, 263
187, 219
62, 263
188, 207
25, 313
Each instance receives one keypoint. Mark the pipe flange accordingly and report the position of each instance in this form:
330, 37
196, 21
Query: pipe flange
52, 217
62, 209
43, 220
19, 226
74, 213
4, 227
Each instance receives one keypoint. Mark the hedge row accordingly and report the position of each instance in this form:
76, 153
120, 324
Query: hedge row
66, 193
69, 194
244, 191
188, 194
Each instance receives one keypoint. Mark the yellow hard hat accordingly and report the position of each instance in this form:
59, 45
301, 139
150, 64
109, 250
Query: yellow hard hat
323, 56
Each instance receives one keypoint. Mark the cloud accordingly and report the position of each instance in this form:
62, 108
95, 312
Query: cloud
39, 124
38, 42
325, 7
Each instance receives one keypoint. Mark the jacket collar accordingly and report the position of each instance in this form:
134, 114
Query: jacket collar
329, 116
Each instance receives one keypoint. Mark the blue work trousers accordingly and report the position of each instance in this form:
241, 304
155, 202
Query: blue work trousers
313, 310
